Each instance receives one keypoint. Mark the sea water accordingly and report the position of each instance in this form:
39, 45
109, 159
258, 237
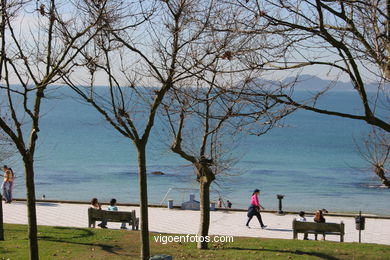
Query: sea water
312, 160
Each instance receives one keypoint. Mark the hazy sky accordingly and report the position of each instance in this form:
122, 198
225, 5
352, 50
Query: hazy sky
25, 24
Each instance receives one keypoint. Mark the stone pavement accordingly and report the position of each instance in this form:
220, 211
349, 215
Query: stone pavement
162, 220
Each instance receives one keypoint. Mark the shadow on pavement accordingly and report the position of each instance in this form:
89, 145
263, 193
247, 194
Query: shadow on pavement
278, 229
47, 204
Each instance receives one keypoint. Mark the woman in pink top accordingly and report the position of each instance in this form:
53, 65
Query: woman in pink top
254, 209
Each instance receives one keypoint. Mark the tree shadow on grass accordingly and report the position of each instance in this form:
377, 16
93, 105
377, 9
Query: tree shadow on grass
296, 252
4, 251
65, 236
85, 233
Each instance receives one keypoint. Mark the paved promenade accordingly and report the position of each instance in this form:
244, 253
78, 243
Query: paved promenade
164, 220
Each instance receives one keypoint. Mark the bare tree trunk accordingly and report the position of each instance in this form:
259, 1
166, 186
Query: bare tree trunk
1, 219
380, 172
31, 211
143, 192
204, 193
2, 58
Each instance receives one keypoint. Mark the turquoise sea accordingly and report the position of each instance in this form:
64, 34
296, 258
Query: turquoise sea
312, 160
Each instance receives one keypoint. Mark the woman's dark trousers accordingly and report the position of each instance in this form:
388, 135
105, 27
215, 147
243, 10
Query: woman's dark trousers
257, 214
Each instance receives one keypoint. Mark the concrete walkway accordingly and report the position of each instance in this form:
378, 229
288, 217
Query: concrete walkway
162, 220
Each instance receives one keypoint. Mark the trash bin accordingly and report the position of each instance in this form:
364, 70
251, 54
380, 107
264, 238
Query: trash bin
212, 206
360, 222
170, 204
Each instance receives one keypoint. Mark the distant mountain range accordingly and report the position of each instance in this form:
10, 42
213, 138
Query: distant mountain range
313, 83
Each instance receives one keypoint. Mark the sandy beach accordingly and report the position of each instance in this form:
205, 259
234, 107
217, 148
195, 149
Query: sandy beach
163, 220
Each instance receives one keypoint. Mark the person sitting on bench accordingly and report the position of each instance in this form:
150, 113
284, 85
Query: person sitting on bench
319, 218
113, 207
303, 219
96, 205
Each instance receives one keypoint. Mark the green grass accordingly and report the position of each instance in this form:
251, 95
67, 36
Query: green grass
84, 243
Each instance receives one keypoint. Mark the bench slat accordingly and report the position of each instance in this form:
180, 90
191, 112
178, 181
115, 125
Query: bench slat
331, 227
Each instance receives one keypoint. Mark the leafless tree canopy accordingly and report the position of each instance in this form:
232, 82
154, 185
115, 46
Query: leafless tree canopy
350, 38
39, 39
218, 101
144, 50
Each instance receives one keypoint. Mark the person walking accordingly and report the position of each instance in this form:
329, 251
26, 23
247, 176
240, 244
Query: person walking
7, 184
254, 209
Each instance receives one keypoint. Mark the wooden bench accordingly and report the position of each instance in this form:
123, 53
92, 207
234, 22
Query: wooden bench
112, 216
318, 228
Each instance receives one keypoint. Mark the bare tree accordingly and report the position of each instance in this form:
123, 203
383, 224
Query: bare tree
197, 125
376, 151
141, 54
219, 101
206, 118
33, 55
350, 38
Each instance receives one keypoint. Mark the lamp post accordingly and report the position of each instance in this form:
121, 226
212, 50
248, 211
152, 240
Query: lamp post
280, 197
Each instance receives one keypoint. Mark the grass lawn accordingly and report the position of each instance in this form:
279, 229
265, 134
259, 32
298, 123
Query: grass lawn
85, 243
